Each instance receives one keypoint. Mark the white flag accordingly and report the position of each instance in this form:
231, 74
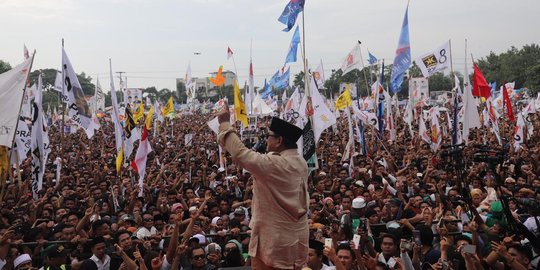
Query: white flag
99, 98
436, 136
40, 142
79, 111
352, 60
159, 115
12, 84
422, 130
318, 75
23, 142
139, 163
470, 118
519, 137
435, 61
115, 113
323, 118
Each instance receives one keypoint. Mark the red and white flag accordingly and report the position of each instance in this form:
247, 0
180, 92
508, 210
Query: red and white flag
139, 163
229, 53
508, 103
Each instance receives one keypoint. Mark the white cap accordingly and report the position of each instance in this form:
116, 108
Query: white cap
221, 169
21, 259
358, 203
200, 238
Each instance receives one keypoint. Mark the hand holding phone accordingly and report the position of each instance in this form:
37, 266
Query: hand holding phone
328, 242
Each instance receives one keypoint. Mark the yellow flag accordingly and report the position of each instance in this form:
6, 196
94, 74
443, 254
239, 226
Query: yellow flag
4, 164
169, 108
149, 117
119, 160
139, 113
344, 100
239, 106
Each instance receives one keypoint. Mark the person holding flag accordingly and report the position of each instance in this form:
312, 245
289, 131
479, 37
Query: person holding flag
280, 194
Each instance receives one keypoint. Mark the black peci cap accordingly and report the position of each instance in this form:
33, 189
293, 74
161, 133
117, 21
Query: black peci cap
285, 129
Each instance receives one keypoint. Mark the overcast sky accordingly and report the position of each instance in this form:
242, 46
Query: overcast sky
154, 40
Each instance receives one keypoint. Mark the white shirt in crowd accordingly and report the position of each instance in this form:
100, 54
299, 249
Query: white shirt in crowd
102, 265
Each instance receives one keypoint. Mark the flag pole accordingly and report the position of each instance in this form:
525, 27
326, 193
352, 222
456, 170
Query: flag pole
18, 114
365, 76
63, 103
306, 83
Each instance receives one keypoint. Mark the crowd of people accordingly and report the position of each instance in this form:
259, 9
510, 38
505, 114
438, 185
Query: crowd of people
400, 206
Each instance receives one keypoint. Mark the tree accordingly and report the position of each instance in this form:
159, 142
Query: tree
181, 90
4, 66
521, 66
299, 80
164, 95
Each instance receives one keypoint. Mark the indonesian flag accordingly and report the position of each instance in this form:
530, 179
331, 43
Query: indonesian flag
480, 85
508, 104
229, 53
139, 163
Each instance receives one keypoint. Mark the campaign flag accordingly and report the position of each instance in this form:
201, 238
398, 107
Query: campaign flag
323, 118
219, 79
318, 76
435, 61
480, 85
12, 84
169, 108
158, 110
508, 104
352, 60
190, 87
139, 113
23, 142
229, 53
115, 114
344, 100
422, 130
293, 47
139, 163
149, 116
282, 80
436, 136
371, 58
402, 61
99, 98
239, 106
79, 111
40, 141
26, 53
493, 116
519, 137
289, 14
470, 118
267, 91
119, 160
249, 98
131, 133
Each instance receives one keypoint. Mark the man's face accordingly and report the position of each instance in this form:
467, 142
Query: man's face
68, 233
345, 257
124, 241
99, 250
273, 141
198, 258
346, 203
518, 256
313, 259
148, 221
387, 247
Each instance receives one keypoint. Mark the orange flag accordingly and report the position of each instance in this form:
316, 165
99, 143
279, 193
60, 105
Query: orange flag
219, 79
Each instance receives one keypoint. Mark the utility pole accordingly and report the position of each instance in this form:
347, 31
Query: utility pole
121, 84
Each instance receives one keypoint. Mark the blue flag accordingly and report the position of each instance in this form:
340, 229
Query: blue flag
380, 104
282, 81
372, 59
267, 90
293, 48
402, 61
289, 14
